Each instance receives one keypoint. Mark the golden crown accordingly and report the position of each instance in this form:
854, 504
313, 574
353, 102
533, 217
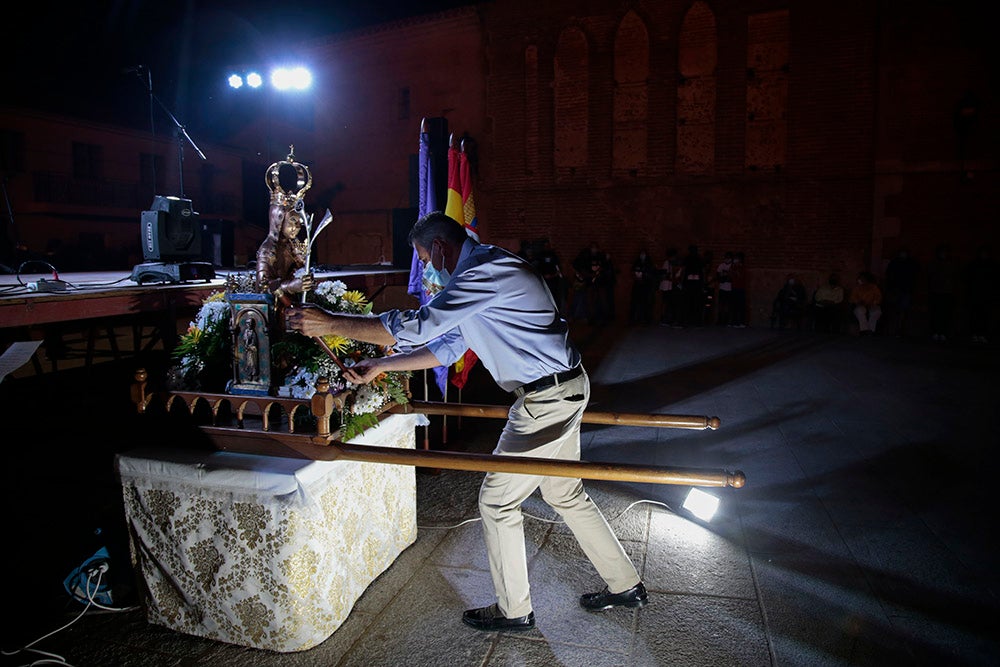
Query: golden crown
303, 181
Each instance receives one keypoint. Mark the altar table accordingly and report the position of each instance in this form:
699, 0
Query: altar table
266, 552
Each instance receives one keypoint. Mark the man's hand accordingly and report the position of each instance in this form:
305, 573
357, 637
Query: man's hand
308, 319
363, 372
311, 320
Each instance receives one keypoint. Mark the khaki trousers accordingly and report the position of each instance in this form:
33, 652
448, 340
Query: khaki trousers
545, 424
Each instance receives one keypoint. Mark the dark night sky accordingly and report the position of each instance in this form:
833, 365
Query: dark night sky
72, 57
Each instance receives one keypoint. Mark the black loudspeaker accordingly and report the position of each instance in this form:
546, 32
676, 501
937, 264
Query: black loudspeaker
170, 230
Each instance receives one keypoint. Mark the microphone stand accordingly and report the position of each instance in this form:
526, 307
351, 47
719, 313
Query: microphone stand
179, 129
181, 132
152, 125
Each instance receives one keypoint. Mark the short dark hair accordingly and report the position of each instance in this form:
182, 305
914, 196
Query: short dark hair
436, 225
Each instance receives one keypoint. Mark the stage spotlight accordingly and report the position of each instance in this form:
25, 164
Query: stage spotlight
254, 80
702, 505
296, 78
235, 81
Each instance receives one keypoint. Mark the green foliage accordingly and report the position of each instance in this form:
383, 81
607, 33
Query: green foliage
354, 425
295, 350
203, 354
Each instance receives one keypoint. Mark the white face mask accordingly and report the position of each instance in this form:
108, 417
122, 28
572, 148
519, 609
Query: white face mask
434, 280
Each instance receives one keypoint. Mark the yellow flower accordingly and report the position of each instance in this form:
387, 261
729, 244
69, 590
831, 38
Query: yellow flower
337, 343
354, 298
216, 296
193, 335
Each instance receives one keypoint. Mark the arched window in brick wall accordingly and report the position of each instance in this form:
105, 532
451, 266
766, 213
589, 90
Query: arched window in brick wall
767, 91
631, 101
572, 102
697, 57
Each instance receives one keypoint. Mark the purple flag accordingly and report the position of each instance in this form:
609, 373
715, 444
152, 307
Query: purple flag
428, 203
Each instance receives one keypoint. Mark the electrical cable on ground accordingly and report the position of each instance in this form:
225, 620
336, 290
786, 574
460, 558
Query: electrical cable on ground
538, 518
54, 658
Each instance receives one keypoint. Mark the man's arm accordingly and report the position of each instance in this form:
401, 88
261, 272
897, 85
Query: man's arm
367, 370
315, 321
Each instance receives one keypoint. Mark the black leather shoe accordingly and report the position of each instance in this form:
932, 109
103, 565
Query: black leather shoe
633, 597
490, 619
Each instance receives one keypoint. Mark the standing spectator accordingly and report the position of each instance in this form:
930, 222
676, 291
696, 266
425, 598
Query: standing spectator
585, 266
738, 276
826, 305
604, 280
789, 304
596, 283
980, 293
596, 267
723, 277
900, 281
579, 294
547, 262
867, 301
668, 293
693, 287
643, 289
942, 287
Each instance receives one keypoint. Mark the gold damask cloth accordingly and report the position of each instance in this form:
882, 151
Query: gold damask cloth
261, 551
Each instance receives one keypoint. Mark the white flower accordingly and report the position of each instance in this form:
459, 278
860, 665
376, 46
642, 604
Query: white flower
211, 313
367, 399
331, 289
302, 383
329, 370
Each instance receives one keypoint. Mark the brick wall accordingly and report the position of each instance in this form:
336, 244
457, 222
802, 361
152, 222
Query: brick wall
794, 184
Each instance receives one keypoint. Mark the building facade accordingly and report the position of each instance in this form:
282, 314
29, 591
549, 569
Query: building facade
813, 137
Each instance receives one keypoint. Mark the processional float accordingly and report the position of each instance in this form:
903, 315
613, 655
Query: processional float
249, 393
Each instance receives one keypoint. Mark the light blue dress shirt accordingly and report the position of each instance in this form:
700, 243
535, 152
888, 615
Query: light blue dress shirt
497, 305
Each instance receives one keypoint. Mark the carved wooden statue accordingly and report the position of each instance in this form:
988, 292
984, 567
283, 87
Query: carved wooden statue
284, 252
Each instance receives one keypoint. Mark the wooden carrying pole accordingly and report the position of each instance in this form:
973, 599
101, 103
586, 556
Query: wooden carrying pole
589, 416
319, 448
322, 446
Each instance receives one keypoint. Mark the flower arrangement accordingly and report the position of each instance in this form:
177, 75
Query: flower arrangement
203, 358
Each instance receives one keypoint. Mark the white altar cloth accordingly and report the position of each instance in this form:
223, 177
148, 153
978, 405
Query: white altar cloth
260, 551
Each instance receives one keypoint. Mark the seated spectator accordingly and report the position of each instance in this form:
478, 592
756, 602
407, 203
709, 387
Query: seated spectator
789, 304
826, 305
867, 301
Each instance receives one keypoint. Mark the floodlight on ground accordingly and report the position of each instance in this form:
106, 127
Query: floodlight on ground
702, 505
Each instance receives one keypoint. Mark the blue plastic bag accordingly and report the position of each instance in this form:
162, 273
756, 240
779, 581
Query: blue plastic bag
88, 582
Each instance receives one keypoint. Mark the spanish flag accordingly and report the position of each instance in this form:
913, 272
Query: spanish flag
461, 206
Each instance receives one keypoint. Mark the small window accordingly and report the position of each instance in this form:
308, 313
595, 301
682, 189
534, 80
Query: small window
88, 160
11, 151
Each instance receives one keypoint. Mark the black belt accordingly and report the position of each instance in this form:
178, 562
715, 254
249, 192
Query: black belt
549, 381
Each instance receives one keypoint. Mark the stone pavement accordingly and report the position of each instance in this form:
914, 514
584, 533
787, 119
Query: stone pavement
862, 537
